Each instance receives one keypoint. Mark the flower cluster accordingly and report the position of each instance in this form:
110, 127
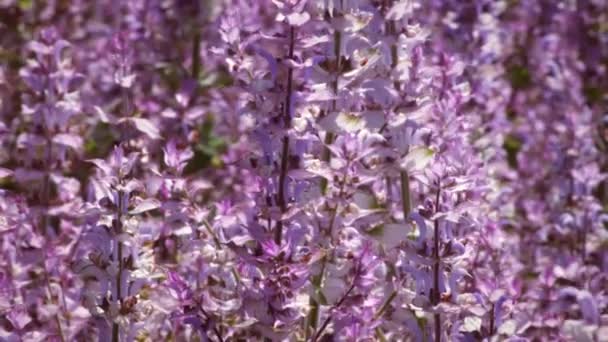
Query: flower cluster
303, 170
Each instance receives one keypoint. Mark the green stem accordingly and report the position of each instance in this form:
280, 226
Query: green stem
313, 314
380, 335
386, 304
216, 241
406, 205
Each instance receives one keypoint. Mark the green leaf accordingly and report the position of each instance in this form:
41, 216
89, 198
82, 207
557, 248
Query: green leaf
519, 76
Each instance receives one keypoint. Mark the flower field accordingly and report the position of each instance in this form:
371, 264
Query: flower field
303, 170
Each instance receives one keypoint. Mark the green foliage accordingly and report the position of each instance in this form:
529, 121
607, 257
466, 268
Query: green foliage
11, 59
519, 76
215, 79
8, 183
25, 4
512, 145
511, 114
208, 149
101, 140
593, 94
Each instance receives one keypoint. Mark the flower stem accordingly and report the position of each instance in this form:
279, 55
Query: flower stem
491, 333
118, 231
405, 195
435, 295
44, 220
285, 155
337, 305
317, 281
196, 55
278, 234
405, 206
326, 156
48, 286
386, 304
329, 137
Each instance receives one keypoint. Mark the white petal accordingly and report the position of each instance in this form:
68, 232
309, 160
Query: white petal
417, 159
146, 126
146, 205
